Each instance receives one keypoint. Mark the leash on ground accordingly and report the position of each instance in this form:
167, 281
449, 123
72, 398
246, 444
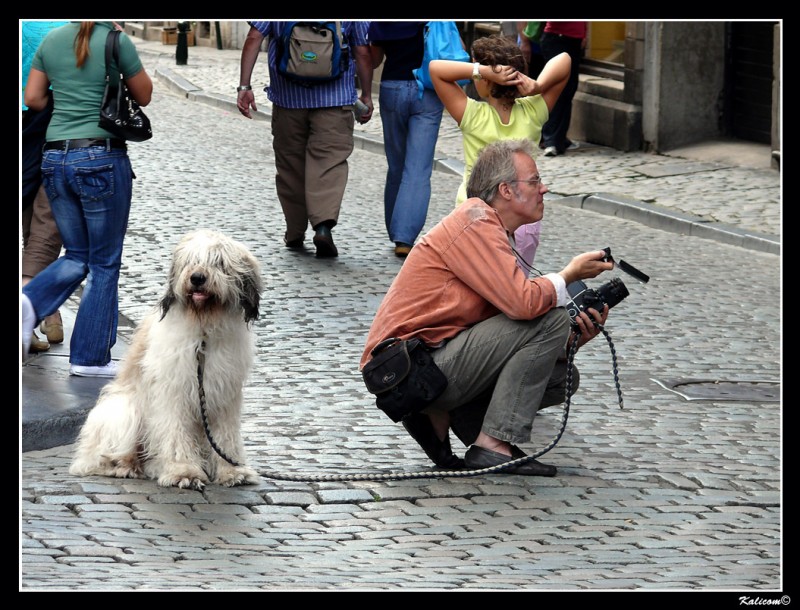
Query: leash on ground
433, 474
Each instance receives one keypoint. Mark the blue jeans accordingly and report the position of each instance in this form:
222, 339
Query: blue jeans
90, 193
410, 131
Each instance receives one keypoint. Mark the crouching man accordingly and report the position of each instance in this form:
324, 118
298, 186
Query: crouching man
500, 338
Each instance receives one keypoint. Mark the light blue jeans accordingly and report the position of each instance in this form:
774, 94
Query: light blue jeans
410, 131
90, 193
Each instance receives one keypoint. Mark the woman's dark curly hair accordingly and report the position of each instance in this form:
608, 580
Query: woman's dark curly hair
499, 50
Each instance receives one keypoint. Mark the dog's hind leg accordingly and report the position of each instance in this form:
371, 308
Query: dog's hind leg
108, 442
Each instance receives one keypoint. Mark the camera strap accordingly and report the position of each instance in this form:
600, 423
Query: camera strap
573, 348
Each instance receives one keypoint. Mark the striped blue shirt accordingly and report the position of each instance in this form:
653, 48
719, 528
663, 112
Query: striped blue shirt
340, 92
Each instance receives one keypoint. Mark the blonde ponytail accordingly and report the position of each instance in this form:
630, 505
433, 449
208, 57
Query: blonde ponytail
82, 42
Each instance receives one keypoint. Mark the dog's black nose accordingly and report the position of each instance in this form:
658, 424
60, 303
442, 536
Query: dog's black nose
198, 279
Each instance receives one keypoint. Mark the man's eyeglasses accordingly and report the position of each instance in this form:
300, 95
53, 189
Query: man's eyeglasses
535, 181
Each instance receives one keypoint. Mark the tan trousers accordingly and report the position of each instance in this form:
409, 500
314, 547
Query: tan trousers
311, 149
40, 237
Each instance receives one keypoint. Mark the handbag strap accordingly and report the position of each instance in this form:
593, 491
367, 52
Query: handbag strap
112, 52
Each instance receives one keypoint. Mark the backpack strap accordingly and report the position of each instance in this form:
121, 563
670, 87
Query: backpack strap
344, 48
342, 42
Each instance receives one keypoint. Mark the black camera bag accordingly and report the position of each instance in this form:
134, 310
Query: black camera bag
403, 377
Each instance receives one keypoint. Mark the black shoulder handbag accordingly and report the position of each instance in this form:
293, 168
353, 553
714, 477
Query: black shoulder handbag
120, 114
403, 377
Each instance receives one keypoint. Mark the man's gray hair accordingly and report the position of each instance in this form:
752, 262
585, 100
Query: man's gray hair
495, 165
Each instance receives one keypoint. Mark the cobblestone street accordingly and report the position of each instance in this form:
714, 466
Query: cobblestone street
669, 494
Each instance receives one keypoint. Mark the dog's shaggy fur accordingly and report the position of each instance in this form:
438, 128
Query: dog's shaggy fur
147, 422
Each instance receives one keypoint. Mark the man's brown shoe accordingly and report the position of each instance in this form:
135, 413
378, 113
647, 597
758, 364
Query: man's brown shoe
401, 250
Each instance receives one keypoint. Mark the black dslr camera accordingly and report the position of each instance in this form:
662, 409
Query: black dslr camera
581, 297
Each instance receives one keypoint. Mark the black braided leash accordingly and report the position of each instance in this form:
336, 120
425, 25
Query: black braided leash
201, 364
402, 476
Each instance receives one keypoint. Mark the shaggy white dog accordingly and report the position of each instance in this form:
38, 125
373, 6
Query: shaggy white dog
198, 348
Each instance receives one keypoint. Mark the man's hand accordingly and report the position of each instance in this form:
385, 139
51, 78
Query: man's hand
366, 99
246, 100
586, 265
586, 327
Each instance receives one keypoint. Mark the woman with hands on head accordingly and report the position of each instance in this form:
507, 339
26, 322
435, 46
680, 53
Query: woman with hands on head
516, 106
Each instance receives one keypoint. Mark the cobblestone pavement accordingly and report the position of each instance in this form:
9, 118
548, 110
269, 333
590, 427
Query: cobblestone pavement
667, 495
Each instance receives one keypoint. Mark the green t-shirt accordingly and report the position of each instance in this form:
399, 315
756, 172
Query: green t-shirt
533, 30
78, 92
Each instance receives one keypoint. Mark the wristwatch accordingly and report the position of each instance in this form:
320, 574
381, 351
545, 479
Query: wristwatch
244, 88
476, 74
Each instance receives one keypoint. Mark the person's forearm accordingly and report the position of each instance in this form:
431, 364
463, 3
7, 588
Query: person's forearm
250, 50
364, 69
37, 90
452, 71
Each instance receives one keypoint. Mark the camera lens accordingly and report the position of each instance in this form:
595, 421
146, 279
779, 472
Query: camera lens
613, 292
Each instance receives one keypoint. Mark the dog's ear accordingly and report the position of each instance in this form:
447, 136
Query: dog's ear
251, 295
170, 297
166, 302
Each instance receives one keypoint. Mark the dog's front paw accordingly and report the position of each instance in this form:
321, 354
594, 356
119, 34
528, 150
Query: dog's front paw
186, 477
240, 475
184, 482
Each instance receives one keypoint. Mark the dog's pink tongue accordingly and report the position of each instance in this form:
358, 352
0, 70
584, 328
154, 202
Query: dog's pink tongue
199, 297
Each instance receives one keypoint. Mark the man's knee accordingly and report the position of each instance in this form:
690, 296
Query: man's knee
565, 379
552, 327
